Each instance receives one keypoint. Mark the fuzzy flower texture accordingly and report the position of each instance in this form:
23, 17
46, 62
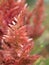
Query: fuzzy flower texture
19, 27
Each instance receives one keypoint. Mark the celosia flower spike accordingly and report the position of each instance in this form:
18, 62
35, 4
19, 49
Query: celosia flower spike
16, 32
36, 28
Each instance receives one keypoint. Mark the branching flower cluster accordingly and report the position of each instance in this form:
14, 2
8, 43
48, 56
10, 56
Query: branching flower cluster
18, 29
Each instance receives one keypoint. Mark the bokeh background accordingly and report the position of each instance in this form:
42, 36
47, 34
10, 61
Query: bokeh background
42, 44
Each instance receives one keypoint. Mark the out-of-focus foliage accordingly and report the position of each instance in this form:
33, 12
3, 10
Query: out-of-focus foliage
42, 44
31, 2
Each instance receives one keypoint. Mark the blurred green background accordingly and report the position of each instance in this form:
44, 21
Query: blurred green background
42, 44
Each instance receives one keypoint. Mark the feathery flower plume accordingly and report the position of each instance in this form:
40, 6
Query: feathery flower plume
16, 32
